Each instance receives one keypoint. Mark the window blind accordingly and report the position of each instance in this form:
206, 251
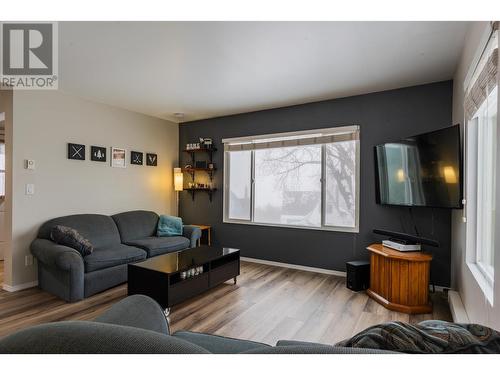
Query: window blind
303, 138
484, 78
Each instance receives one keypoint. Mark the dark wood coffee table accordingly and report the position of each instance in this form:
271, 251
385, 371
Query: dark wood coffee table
161, 277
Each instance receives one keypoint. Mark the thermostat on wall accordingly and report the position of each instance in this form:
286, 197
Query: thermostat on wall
29, 164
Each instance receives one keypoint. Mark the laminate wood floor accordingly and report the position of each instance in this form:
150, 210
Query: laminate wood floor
268, 303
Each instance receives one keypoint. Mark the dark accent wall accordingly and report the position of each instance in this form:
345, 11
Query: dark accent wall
382, 116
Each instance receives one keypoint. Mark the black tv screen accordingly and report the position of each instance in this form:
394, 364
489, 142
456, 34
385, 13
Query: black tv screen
424, 170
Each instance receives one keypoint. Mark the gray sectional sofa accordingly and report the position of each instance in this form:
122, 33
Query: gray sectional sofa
118, 240
137, 324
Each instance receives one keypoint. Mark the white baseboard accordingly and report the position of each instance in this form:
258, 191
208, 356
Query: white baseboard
457, 308
295, 266
15, 288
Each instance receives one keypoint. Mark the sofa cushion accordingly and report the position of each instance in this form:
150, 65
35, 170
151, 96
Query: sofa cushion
219, 344
70, 237
100, 230
136, 224
115, 255
160, 245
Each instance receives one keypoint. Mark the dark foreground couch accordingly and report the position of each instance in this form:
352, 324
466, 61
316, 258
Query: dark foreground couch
137, 325
118, 240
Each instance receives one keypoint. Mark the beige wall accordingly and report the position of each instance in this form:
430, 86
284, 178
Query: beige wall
6, 204
45, 121
477, 306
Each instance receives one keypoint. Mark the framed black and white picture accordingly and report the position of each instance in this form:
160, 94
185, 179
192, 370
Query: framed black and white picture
76, 151
118, 157
136, 157
152, 160
97, 153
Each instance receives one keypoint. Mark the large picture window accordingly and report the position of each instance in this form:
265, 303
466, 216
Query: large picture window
481, 129
304, 179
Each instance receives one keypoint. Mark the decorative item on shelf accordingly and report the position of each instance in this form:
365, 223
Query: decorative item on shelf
211, 166
201, 164
195, 271
118, 157
152, 160
178, 179
191, 184
188, 166
206, 143
97, 153
193, 146
136, 157
76, 151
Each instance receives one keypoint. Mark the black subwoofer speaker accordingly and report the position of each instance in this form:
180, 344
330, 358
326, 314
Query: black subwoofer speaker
358, 275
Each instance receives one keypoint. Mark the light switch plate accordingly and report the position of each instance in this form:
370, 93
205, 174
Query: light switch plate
30, 189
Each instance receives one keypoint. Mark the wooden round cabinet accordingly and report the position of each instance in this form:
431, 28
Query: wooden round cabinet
399, 280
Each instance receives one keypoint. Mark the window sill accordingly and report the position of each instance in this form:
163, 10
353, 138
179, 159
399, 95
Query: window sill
485, 285
324, 229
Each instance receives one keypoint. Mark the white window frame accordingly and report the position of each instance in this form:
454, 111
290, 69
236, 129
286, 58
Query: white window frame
483, 275
296, 134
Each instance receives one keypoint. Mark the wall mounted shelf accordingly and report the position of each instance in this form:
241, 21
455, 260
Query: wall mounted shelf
209, 151
210, 191
192, 171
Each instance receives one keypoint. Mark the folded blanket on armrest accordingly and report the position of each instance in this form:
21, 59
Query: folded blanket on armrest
169, 226
430, 336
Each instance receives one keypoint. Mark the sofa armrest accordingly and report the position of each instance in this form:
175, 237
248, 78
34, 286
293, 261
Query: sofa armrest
192, 232
137, 311
59, 256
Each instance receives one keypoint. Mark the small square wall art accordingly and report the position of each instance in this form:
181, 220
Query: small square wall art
76, 151
98, 153
118, 157
152, 160
136, 157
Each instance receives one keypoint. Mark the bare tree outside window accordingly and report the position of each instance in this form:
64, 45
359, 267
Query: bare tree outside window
288, 185
340, 189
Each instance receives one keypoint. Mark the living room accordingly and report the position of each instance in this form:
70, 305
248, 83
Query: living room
239, 187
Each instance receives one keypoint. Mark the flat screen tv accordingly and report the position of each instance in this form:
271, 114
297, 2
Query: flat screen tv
421, 171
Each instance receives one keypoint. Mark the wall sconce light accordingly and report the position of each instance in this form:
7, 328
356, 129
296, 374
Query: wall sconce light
178, 179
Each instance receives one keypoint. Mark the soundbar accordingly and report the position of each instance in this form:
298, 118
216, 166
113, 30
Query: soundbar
406, 238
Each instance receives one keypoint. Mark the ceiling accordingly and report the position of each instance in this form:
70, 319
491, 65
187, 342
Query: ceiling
210, 69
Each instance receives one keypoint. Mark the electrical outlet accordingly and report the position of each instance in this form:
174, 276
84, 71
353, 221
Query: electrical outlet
28, 260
